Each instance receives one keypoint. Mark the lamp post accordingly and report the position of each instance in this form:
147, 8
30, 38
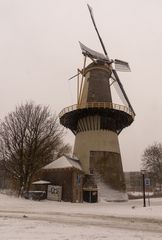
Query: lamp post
143, 184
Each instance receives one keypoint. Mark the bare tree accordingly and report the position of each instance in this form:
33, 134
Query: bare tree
28, 138
152, 161
64, 149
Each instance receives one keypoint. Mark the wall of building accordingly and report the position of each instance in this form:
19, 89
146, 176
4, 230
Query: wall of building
94, 90
77, 186
107, 169
101, 140
133, 181
68, 179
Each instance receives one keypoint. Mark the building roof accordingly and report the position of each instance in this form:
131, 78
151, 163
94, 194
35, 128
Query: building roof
64, 162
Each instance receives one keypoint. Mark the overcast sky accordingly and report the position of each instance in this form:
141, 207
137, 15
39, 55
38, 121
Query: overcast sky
39, 51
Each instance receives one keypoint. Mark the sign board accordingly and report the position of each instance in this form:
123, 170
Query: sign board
147, 181
54, 193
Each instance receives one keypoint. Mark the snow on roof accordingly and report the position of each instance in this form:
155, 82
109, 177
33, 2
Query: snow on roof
41, 182
64, 162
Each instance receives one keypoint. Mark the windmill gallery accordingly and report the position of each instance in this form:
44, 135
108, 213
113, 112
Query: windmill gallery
96, 166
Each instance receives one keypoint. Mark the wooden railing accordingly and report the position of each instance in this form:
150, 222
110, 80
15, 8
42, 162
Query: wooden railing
96, 105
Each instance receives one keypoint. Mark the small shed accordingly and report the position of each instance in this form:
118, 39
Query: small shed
67, 173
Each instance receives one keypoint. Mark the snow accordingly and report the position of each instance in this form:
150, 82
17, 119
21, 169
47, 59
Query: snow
49, 220
41, 182
108, 194
138, 194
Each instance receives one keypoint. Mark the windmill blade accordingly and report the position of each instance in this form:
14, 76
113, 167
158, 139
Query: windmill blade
122, 66
93, 54
92, 17
74, 76
121, 91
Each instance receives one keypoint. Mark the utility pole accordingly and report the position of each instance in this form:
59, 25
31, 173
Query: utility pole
143, 183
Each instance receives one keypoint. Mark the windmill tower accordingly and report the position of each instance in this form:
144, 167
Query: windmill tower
96, 121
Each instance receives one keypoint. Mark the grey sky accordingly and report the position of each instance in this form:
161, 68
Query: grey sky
39, 51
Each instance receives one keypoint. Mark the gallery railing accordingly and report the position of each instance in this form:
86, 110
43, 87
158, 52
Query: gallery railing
104, 105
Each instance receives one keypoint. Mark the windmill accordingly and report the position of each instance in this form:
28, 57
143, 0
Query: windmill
96, 121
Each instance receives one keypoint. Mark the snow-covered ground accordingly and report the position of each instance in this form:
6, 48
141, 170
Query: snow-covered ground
48, 220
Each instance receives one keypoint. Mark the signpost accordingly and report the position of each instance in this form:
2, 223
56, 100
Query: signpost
143, 184
147, 182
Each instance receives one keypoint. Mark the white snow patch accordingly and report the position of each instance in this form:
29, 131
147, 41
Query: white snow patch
22, 219
41, 182
108, 194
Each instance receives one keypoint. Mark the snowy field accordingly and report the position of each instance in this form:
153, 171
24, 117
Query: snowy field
22, 219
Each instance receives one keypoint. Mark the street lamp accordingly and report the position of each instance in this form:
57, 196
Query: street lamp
143, 184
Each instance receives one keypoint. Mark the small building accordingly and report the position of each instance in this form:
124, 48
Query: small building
133, 181
67, 173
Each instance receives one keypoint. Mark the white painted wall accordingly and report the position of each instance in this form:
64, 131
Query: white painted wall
101, 140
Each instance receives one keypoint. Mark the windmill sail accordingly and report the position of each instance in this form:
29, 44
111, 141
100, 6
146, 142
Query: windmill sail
121, 92
92, 17
121, 66
93, 54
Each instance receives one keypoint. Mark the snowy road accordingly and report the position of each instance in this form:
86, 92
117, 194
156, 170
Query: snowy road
137, 224
14, 227
27, 225
23, 220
